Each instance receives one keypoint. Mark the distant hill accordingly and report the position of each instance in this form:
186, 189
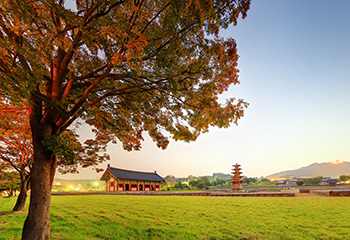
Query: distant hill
329, 169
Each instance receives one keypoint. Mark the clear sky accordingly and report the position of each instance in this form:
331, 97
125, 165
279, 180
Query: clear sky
295, 73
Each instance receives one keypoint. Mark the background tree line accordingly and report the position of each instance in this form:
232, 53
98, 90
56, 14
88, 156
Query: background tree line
216, 180
344, 178
224, 180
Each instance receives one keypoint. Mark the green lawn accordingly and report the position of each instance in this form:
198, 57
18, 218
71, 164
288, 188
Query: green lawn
179, 217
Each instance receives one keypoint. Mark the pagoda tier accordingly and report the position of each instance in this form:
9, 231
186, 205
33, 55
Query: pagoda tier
236, 178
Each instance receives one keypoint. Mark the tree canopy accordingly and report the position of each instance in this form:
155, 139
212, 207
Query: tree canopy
9, 182
15, 137
123, 67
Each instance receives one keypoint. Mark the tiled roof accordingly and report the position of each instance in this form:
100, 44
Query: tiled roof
128, 174
332, 180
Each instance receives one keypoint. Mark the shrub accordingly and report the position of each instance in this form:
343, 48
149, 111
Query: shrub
300, 182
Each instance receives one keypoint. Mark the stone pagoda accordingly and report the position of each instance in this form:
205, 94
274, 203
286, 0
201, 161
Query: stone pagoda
236, 178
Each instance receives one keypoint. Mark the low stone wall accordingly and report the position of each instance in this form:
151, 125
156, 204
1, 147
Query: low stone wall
332, 193
304, 190
172, 194
320, 192
278, 194
339, 193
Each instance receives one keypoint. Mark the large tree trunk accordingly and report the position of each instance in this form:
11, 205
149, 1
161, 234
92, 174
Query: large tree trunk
37, 224
22, 197
43, 124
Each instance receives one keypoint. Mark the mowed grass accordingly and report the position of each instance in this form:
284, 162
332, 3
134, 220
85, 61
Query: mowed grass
186, 217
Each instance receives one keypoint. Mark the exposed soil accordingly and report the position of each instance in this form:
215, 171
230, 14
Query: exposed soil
308, 195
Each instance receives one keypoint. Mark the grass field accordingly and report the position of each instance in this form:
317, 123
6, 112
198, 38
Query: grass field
179, 217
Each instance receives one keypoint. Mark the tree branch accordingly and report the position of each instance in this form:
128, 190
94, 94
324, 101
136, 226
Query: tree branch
49, 102
82, 100
13, 109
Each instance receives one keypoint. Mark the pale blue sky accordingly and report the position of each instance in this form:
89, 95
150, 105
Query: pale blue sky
294, 71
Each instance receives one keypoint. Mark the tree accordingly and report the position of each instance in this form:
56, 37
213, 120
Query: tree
308, 181
9, 182
16, 149
317, 180
300, 182
170, 178
190, 178
193, 183
344, 178
123, 67
181, 185
249, 180
220, 181
265, 180
313, 181
205, 179
201, 184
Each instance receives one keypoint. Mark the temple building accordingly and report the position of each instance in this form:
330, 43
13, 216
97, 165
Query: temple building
128, 180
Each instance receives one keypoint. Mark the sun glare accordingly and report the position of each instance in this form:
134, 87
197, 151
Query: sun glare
337, 162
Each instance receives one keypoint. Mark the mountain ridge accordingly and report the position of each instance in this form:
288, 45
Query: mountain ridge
325, 169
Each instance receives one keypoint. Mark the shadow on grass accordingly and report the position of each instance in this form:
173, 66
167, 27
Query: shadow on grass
5, 213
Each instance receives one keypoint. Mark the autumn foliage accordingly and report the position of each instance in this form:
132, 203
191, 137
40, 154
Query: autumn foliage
124, 67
